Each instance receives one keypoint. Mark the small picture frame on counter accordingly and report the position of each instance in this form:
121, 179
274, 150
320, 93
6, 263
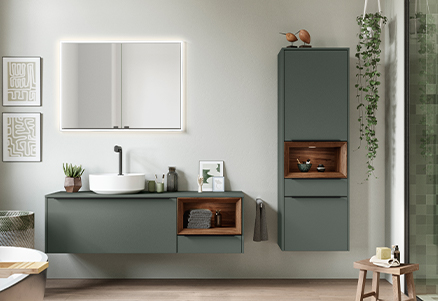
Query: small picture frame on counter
208, 170
218, 184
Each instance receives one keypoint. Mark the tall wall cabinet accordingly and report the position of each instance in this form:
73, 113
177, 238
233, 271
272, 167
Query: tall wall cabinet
313, 96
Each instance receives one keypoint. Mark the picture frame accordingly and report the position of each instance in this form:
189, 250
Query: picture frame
218, 184
209, 169
21, 137
21, 81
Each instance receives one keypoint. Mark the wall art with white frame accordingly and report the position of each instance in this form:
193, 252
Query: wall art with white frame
21, 81
21, 137
218, 183
208, 170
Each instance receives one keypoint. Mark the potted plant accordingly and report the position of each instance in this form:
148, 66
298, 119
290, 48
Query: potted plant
73, 175
368, 56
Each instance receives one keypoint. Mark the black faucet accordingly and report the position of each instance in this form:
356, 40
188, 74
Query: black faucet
118, 149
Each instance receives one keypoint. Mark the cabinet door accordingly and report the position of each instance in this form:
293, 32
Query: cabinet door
111, 226
316, 224
316, 95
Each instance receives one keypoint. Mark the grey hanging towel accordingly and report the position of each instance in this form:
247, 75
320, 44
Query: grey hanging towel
261, 226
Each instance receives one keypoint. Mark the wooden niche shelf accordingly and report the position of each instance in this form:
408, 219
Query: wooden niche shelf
333, 155
231, 211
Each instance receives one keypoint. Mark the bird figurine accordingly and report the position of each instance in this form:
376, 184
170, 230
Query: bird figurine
308, 161
291, 38
305, 37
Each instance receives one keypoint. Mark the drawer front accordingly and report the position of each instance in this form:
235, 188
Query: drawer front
316, 224
111, 226
209, 244
315, 187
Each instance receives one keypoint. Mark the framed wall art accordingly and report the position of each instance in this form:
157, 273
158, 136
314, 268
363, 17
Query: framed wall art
21, 81
209, 169
218, 183
21, 137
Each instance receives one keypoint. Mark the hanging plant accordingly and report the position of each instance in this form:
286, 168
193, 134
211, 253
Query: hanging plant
368, 55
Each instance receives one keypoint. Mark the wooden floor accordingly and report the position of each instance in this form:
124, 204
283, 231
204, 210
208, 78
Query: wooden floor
209, 290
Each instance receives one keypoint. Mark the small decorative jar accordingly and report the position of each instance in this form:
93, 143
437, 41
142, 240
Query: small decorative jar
172, 179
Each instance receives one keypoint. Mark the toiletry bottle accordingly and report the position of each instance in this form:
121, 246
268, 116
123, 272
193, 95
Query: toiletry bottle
396, 253
172, 179
218, 219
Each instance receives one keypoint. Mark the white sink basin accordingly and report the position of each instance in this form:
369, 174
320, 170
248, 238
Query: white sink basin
111, 183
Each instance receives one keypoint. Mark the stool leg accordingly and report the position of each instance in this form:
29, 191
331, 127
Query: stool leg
396, 287
375, 285
411, 286
361, 285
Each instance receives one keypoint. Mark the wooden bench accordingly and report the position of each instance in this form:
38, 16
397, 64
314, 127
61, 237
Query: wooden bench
404, 269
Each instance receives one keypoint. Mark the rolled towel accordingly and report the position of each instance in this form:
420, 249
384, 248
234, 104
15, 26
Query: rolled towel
260, 226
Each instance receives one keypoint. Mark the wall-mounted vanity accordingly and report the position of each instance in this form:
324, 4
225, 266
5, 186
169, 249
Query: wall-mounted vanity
85, 222
121, 85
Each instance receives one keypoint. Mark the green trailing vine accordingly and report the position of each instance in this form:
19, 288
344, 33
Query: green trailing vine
368, 55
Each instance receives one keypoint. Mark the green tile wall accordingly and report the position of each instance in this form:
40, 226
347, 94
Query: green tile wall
423, 144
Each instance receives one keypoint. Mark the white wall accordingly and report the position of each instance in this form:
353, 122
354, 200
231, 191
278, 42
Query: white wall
395, 131
232, 48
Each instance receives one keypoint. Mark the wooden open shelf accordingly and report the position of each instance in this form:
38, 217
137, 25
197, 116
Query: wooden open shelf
333, 155
231, 211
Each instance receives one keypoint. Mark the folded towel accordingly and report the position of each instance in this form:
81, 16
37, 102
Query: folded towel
208, 221
198, 226
386, 263
199, 219
261, 226
202, 212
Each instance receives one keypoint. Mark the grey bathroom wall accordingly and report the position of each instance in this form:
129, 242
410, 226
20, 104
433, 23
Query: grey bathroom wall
230, 114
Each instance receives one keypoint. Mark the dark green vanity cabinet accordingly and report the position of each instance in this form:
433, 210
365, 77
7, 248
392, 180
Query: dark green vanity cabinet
313, 106
86, 222
92, 225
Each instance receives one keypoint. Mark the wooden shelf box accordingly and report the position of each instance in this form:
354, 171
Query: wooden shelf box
231, 211
333, 155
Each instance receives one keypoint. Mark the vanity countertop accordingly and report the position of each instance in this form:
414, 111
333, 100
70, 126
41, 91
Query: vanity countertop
144, 194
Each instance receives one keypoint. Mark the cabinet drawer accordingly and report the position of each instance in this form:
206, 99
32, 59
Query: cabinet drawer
315, 187
316, 224
107, 226
209, 244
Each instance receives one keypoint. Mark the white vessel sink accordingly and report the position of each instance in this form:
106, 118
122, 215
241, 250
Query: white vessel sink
111, 183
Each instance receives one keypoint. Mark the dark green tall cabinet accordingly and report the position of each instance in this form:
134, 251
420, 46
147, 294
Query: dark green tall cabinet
313, 97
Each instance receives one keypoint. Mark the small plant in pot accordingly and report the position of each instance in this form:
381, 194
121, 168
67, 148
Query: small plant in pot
73, 175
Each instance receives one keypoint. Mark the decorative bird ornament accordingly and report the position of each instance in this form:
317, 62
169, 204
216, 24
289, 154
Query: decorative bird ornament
291, 38
305, 37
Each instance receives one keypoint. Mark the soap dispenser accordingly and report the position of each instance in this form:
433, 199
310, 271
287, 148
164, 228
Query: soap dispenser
218, 219
396, 253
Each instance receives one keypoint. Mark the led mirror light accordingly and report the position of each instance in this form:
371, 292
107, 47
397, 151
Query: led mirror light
121, 85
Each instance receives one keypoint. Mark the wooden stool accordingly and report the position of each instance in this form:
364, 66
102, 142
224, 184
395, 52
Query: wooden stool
404, 268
